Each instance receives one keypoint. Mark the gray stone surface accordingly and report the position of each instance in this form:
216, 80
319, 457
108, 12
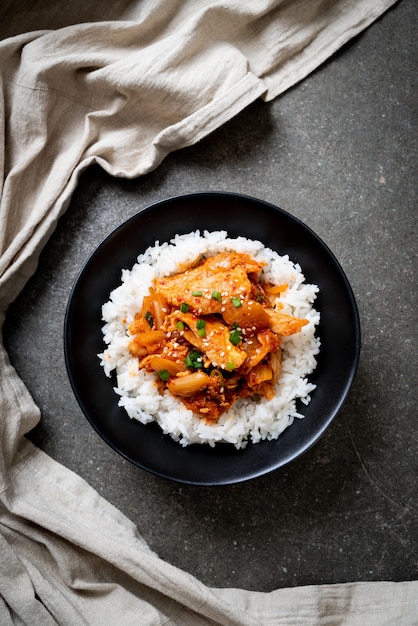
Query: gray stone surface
339, 152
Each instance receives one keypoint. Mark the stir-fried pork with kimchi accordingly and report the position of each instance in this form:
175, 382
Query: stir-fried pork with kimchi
213, 332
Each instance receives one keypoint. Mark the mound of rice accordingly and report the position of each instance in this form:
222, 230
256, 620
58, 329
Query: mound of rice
248, 419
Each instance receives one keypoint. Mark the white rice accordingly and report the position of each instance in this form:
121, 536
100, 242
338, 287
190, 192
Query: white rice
247, 420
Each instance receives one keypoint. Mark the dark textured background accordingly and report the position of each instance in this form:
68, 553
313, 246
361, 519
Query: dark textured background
339, 151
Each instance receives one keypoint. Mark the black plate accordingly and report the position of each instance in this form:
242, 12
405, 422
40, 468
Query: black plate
146, 446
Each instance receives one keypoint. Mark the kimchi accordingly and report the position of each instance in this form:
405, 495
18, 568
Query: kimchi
212, 333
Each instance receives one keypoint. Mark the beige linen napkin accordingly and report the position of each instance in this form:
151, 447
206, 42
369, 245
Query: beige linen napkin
124, 94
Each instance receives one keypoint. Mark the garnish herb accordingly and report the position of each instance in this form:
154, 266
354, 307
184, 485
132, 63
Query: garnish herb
216, 295
180, 326
164, 375
149, 318
200, 325
230, 365
194, 360
197, 293
235, 336
184, 307
236, 302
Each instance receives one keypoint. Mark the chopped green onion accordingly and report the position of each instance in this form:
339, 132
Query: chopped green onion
184, 307
236, 302
180, 325
197, 293
200, 325
164, 375
194, 359
230, 365
216, 295
149, 318
235, 336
